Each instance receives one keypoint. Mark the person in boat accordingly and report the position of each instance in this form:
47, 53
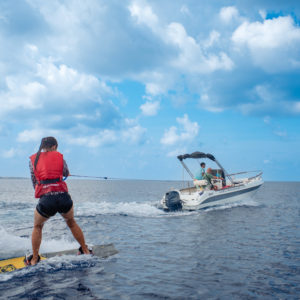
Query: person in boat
200, 173
47, 168
209, 176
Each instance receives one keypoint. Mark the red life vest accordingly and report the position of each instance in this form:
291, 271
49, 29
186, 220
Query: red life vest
49, 168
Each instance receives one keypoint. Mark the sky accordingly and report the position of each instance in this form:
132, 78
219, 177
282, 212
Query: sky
126, 86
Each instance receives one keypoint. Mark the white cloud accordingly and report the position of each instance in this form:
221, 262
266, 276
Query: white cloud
10, 153
267, 98
265, 92
170, 137
131, 132
63, 79
60, 97
150, 108
134, 135
188, 56
280, 133
70, 88
263, 13
108, 136
32, 49
104, 137
185, 10
273, 44
143, 14
35, 135
173, 51
214, 37
191, 58
208, 104
270, 34
155, 88
176, 152
21, 95
227, 14
189, 130
47, 82
157, 82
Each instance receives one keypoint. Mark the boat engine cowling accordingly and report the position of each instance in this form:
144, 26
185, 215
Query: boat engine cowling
172, 200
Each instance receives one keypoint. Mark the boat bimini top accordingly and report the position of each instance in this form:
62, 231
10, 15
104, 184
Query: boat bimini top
196, 155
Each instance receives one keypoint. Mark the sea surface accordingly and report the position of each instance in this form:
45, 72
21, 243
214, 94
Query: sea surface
250, 250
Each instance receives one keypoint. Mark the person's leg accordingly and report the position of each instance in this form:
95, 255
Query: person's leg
36, 237
76, 230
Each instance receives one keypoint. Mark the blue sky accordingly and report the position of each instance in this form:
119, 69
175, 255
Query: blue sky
126, 86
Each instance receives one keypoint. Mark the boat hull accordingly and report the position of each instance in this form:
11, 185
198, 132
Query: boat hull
194, 199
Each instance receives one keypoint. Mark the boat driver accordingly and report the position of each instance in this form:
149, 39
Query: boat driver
200, 173
209, 176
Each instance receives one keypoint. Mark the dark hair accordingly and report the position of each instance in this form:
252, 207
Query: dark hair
46, 143
203, 163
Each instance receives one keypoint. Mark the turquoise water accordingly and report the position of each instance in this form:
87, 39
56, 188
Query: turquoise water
250, 250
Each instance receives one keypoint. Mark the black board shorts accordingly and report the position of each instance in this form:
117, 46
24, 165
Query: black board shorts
50, 204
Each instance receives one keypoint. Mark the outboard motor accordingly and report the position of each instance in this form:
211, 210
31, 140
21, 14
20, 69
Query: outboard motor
173, 201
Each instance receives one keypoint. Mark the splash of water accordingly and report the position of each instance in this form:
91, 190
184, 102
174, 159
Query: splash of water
14, 246
121, 208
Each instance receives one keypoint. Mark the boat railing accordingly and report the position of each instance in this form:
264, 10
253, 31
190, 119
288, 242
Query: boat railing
244, 179
256, 176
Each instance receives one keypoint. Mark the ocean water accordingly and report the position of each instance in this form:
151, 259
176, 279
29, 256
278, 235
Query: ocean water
250, 250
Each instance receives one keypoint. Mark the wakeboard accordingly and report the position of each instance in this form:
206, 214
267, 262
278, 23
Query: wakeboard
12, 264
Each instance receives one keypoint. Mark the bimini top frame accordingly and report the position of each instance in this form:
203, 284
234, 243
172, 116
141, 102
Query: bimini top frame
196, 155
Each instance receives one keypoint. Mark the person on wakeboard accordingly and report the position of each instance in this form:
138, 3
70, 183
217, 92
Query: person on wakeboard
47, 168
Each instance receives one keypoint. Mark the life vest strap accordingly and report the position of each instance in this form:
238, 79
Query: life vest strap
48, 181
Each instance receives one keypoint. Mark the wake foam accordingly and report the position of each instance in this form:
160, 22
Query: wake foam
122, 208
53, 265
146, 209
14, 246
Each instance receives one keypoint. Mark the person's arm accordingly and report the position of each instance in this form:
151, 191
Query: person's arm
66, 171
208, 177
33, 178
202, 171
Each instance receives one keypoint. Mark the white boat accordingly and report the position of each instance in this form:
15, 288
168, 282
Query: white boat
203, 194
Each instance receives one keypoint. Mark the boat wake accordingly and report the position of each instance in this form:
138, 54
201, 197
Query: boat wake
148, 209
122, 208
132, 209
14, 246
